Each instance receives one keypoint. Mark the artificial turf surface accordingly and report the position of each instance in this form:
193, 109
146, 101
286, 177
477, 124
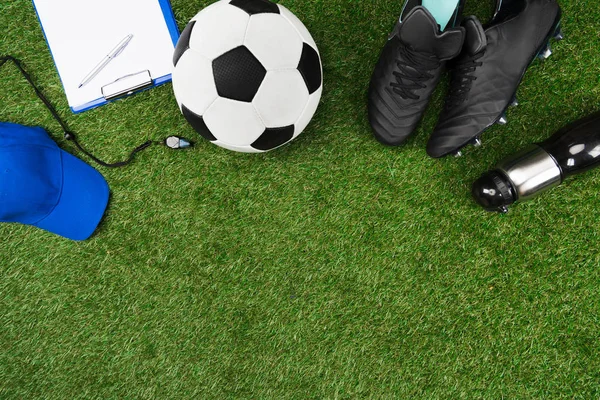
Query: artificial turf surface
334, 267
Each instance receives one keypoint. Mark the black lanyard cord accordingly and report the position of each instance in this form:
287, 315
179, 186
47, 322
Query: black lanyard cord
70, 136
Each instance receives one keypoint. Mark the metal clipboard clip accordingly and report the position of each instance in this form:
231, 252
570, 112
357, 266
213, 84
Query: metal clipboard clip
127, 85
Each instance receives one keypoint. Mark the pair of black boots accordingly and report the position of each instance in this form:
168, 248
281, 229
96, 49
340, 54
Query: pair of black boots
486, 64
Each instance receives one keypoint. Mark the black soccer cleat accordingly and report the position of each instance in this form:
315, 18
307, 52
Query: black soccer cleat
485, 77
408, 70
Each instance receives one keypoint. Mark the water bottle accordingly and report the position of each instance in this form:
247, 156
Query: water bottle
572, 150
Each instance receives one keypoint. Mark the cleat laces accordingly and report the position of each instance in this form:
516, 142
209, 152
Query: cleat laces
462, 79
412, 72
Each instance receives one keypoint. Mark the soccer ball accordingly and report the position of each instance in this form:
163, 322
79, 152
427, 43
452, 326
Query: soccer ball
248, 75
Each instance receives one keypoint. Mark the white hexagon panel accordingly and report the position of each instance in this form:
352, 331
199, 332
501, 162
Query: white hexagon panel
281, 98
193, 82
234, 122
238, 149
274, 41
308, 112
218, 29
298, 25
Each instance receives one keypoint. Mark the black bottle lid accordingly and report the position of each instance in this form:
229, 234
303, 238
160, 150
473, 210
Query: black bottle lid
494, 192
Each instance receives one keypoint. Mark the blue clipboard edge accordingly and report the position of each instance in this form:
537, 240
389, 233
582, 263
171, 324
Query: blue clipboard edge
101, 101
167, 10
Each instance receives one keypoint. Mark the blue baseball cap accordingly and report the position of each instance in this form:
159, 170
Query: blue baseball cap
43, 186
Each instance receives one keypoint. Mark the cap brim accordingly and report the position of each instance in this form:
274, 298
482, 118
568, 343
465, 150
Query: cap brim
82, 203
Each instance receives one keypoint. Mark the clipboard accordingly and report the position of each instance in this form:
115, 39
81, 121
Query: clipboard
80, 33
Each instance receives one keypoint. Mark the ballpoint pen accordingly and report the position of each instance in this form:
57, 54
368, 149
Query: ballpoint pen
114, 53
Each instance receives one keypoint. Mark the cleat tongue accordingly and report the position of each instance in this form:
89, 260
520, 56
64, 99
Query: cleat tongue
475, 38
420, 31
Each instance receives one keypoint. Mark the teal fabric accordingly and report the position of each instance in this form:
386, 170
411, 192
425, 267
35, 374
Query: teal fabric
442, 10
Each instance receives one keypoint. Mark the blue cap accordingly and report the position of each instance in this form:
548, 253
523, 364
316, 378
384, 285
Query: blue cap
43, 186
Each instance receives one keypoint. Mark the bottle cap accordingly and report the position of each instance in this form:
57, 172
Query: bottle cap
493, 192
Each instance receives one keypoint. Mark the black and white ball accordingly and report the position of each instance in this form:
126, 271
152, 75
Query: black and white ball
247, 75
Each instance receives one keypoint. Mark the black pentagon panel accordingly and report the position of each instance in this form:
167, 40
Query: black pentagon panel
310, 68
197, 122
274, 137
238, 74
256, 6
183, 43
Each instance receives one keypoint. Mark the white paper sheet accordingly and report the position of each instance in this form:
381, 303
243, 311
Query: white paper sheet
80, 33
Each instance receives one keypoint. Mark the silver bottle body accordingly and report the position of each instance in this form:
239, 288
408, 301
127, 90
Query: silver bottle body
531, 172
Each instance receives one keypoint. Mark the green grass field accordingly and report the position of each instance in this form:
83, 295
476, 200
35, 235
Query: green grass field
334, 267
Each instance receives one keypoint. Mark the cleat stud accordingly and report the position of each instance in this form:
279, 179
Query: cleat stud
503, 209
514, 102
477, 142
458, 154
502, 120
558, 35
545, 53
